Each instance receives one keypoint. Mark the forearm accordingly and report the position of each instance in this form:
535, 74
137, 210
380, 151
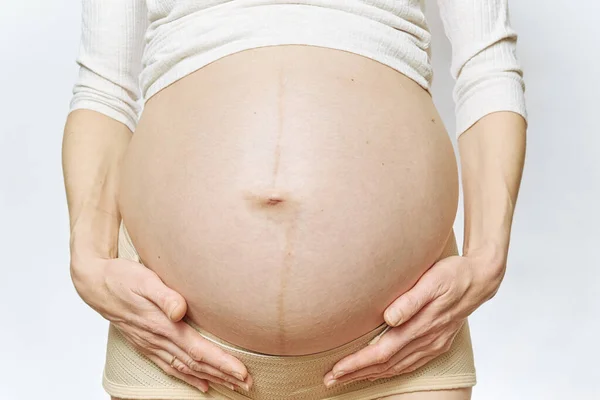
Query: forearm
492, 154
92, 149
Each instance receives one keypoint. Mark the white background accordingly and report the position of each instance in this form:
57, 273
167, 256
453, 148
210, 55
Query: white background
537, 339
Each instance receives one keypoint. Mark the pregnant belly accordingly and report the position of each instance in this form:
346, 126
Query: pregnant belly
290, 194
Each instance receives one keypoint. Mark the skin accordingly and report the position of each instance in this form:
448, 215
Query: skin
124, 292
247, 186
427, 317
147, 310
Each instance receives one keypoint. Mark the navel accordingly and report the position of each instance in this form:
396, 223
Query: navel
265, 199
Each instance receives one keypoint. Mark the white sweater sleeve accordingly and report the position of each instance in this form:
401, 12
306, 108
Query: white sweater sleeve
109, 59
484, 62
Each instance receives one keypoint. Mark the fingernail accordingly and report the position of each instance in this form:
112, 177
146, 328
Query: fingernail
173, 310
338, 374
245, 386
238, 375
229, 385
392, 317
202, 389
249, 382
331, 383
374, 340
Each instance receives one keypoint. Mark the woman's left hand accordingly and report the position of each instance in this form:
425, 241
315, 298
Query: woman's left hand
426, 318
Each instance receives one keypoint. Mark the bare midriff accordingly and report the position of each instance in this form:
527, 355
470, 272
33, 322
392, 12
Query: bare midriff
290, 194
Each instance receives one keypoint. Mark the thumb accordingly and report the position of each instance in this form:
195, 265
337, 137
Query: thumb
169, 301
409, 303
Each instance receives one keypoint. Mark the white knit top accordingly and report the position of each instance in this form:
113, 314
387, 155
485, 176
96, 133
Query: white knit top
131, 49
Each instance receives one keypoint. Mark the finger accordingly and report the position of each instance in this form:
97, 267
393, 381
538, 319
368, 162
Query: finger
202, 368
427, 324
434, 349
388, 345
408, 370
204, 351
149, 343
416, 365
397, 369
201, 384
177, 364
378, 369
169, 301
400, 370
408, 304
407, 361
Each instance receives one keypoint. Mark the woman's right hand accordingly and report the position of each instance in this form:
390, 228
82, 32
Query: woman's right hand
149, 314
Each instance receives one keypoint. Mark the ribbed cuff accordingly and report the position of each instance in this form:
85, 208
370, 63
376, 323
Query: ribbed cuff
503, 93
109, 111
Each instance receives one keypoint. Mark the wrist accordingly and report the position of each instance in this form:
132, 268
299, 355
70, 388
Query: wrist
490, 258
94, 235
495, 251
86, 273
93, 241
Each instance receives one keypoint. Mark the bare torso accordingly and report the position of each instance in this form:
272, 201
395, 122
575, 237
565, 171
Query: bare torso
290, 194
